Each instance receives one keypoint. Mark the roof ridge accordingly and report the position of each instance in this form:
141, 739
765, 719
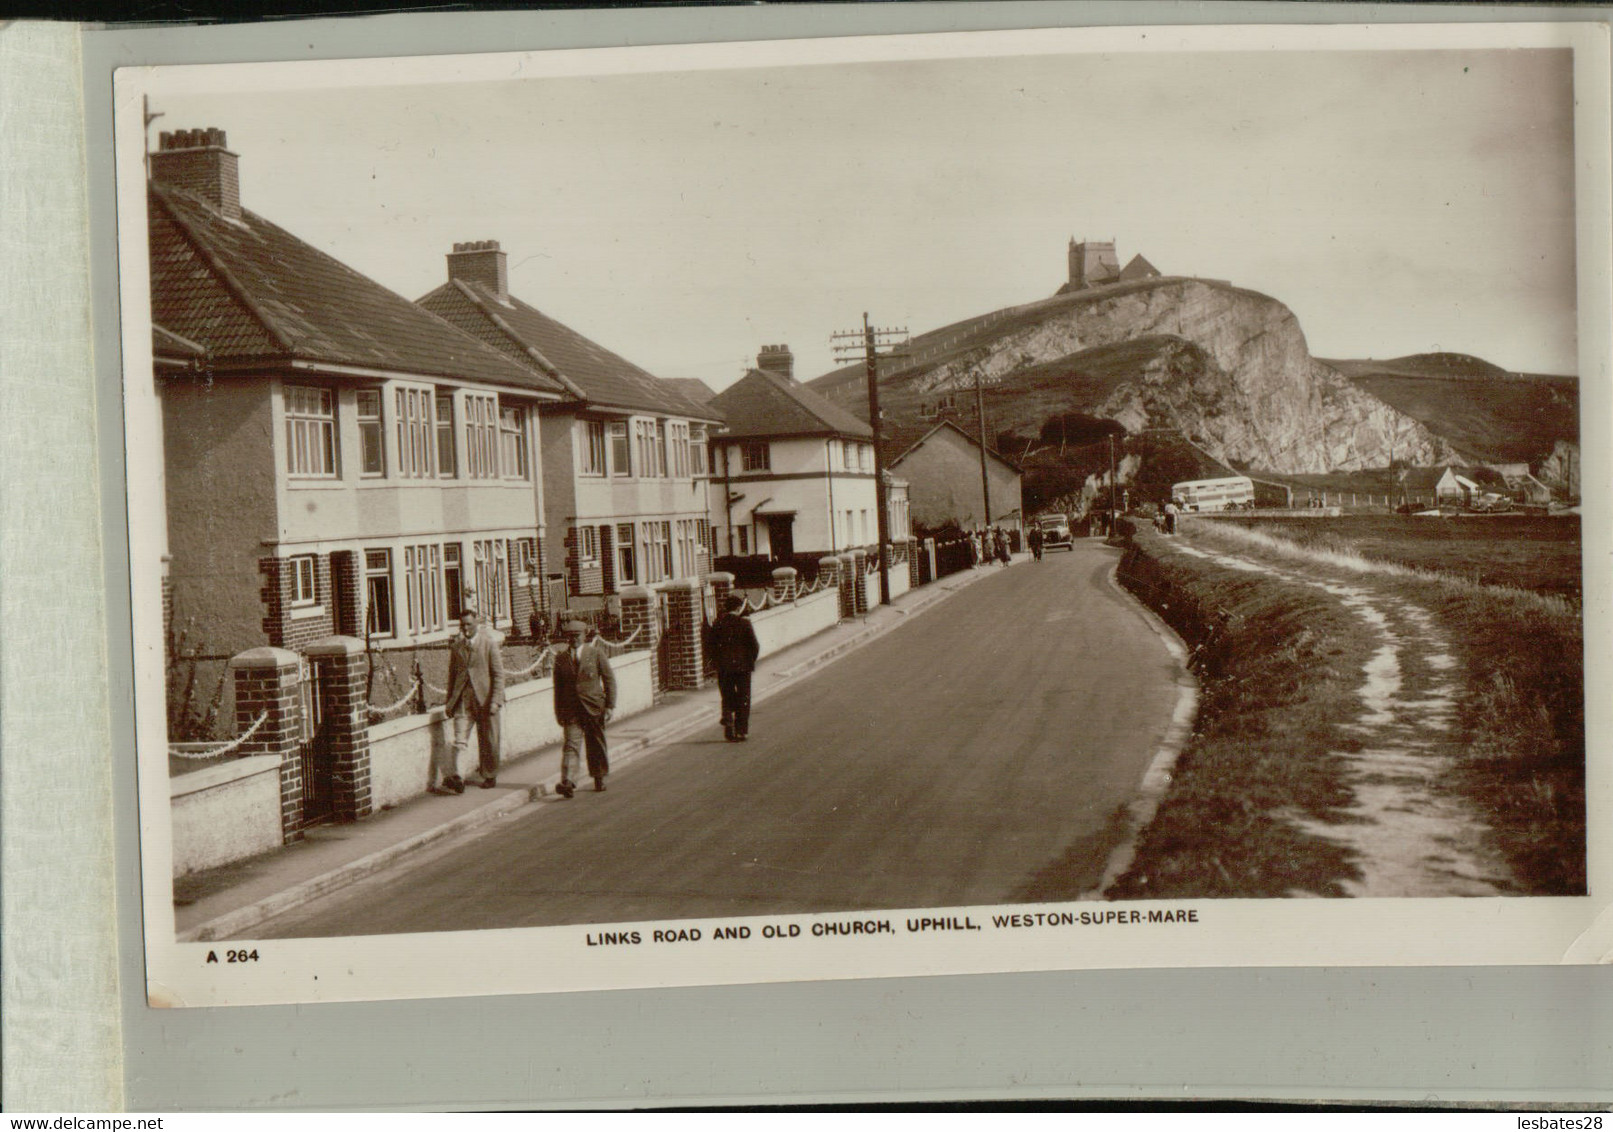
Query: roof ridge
652, 385
235, 287
549, 368
948, 422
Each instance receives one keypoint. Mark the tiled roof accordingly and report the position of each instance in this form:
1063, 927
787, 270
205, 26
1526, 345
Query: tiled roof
252, 291
692, 388
764, 403
524, 333
905, 443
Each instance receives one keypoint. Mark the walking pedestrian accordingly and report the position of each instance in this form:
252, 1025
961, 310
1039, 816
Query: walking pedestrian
1170, 516
475, 698
584, 698
1035, 539
734, 648
1000, 537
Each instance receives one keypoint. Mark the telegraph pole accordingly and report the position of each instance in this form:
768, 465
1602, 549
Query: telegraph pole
1114, 507
871, 342
980, 417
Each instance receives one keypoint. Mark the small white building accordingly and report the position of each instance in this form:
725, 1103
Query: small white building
793, 476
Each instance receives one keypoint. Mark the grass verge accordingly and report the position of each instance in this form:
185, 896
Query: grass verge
1280, 667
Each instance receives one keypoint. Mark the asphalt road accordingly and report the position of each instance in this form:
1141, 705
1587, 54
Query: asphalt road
976, 755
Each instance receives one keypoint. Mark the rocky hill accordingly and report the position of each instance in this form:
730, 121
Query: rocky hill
1488, 414
1225, 368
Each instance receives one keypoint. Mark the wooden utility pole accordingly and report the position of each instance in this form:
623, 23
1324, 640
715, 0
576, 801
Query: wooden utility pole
980, 418
1114, 509
871, 341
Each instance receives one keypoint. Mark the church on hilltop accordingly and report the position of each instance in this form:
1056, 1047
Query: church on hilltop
1093, 263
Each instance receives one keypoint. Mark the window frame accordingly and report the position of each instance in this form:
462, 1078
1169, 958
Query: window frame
626, 553
593, 456
447, 462
295, 565
481, 436
512, 442
586, 540
699, 453
620, 442
309, 430
371, 430
381, 574
750, 450
414, 413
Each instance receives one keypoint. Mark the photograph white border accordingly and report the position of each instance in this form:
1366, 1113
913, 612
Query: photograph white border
1466, 931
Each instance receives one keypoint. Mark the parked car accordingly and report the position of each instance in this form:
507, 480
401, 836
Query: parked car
1055, 532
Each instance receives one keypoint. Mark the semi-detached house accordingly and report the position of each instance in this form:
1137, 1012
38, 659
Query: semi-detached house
337, 460
625, 456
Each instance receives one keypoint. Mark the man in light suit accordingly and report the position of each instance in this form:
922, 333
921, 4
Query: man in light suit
584, 697
475, 697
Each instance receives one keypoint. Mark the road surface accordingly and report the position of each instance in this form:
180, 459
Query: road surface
977, 754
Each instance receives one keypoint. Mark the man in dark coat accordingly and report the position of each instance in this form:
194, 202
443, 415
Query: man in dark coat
734, 648
584, 697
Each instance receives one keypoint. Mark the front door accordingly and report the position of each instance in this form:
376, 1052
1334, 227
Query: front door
781, 535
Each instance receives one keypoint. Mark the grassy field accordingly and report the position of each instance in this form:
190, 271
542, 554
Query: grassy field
1538, 553
1280, 668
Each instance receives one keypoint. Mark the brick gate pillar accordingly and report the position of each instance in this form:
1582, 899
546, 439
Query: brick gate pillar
784, 583
266, 683
848, 586
638, 616
685, 661
347, 723
722, 584
859, 579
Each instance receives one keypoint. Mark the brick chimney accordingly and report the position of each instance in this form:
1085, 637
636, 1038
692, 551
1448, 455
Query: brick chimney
198, 162
778, 359
481, 261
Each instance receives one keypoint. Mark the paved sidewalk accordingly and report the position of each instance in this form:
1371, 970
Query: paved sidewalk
228, 901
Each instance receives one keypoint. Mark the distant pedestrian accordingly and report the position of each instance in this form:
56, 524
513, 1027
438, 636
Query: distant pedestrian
1170, 516
1000, 537
974, 548
584, 698
1035, 539
734, 648
475, 698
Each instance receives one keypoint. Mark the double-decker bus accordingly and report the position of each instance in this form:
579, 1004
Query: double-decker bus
1214, 495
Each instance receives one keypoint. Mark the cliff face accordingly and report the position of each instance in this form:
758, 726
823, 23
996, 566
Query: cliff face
1228, 368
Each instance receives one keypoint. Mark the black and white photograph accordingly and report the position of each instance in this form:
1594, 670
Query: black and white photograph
863, 507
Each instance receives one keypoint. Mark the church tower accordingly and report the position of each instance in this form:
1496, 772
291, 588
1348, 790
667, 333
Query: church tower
1093, 263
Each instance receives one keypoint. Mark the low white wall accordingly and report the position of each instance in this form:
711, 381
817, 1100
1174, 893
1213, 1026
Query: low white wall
401, 750
900, 580
225, 813
784, 625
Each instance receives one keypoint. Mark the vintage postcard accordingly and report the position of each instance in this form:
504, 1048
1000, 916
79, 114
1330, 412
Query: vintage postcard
867, 507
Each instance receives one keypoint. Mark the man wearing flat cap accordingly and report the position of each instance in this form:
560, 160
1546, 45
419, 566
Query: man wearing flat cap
584, 697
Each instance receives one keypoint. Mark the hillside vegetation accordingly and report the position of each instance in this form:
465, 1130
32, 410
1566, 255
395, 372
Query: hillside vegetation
1487, 413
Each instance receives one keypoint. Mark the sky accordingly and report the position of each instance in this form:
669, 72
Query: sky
1397, 201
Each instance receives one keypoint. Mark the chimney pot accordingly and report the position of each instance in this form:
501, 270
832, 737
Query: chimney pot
777, 358
481, 262
199, 162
